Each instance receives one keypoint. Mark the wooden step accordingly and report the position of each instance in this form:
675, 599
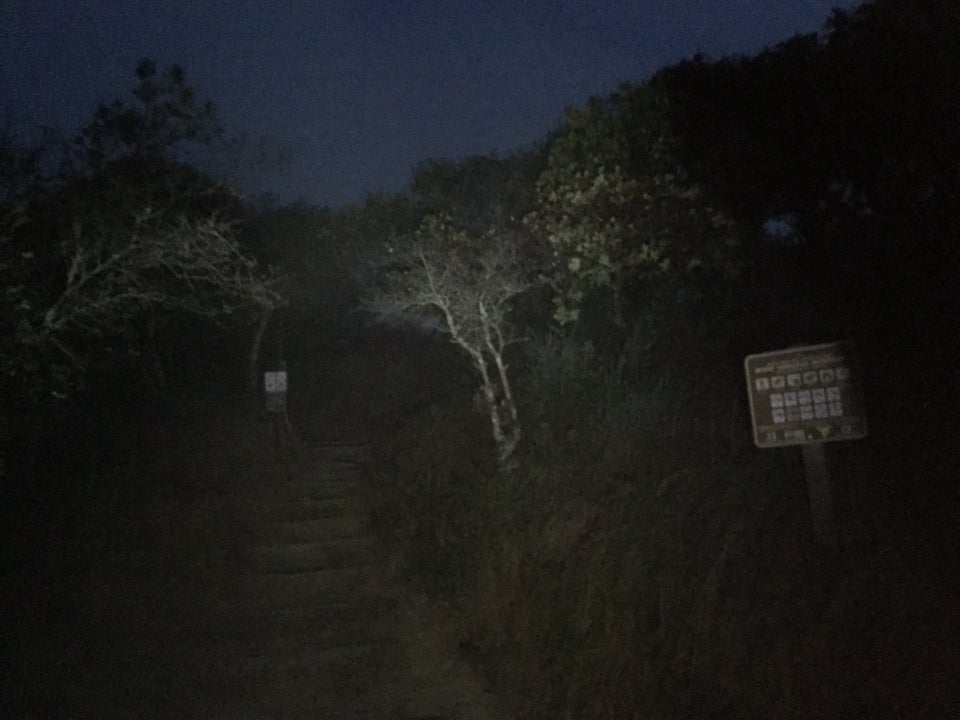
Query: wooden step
298, 508
347, 451
294, 641
285, 532
322, 466
317, 489
300, 588
335, 665
359, 616
248, 615
341, 690
305, 556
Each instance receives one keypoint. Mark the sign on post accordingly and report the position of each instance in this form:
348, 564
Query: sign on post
807, 396
275, 391
802, 395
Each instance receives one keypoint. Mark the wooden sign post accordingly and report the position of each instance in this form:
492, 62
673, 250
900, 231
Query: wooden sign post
807, 396
818, 490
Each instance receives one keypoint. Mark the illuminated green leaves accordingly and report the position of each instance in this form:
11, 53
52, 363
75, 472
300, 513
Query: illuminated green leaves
613, 205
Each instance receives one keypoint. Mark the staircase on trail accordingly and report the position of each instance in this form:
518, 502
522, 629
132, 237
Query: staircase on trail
310, 624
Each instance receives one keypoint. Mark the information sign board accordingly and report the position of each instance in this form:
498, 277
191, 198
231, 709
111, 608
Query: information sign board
275, 390
808, 394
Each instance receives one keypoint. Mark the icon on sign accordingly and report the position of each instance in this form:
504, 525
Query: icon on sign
789, 399
803, 397
819, 395
833, 393
810, 377
779, 416
826, 376
820, 410
763, 383
836, 409
777, 382
776, 400
793, 380
806, 412
793, 414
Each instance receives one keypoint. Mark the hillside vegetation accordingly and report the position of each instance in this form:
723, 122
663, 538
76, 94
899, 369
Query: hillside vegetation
545, 351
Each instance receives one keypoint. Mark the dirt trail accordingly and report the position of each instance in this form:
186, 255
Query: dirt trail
319, 626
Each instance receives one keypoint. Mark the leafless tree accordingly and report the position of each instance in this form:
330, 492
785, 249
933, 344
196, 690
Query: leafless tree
162, 260
464, 285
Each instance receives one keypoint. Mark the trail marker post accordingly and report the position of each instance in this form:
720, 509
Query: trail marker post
807, 395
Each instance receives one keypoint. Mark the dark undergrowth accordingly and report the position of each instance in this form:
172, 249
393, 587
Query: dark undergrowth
641, 558
120, 534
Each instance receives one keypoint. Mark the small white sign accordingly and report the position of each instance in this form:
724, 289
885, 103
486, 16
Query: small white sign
275, 391
275, 382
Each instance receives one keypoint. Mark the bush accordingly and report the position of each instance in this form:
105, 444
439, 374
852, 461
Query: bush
566, 565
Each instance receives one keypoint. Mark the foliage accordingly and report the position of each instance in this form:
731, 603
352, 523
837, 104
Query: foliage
130, 237
347, 246
849, 134
636, 556
482, 192
161, 260
642, 558
161, 120
614, 205
565, 567
848, 131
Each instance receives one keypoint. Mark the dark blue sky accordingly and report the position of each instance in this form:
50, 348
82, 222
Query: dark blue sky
360, 91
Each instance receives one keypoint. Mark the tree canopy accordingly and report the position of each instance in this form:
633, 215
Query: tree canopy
126, 236
161, 118
615, 204
463, 285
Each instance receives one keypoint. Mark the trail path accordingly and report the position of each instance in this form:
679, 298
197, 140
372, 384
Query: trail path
319, 626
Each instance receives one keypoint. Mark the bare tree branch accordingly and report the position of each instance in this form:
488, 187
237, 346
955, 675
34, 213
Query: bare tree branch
162, 260
466, 285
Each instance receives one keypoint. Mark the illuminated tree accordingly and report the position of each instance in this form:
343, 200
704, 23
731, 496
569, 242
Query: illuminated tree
160, 260
614, 204
125, 239
464, 285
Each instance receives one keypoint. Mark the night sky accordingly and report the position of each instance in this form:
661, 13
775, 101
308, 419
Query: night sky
359, 92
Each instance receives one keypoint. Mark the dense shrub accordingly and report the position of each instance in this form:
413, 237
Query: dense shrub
641, 556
